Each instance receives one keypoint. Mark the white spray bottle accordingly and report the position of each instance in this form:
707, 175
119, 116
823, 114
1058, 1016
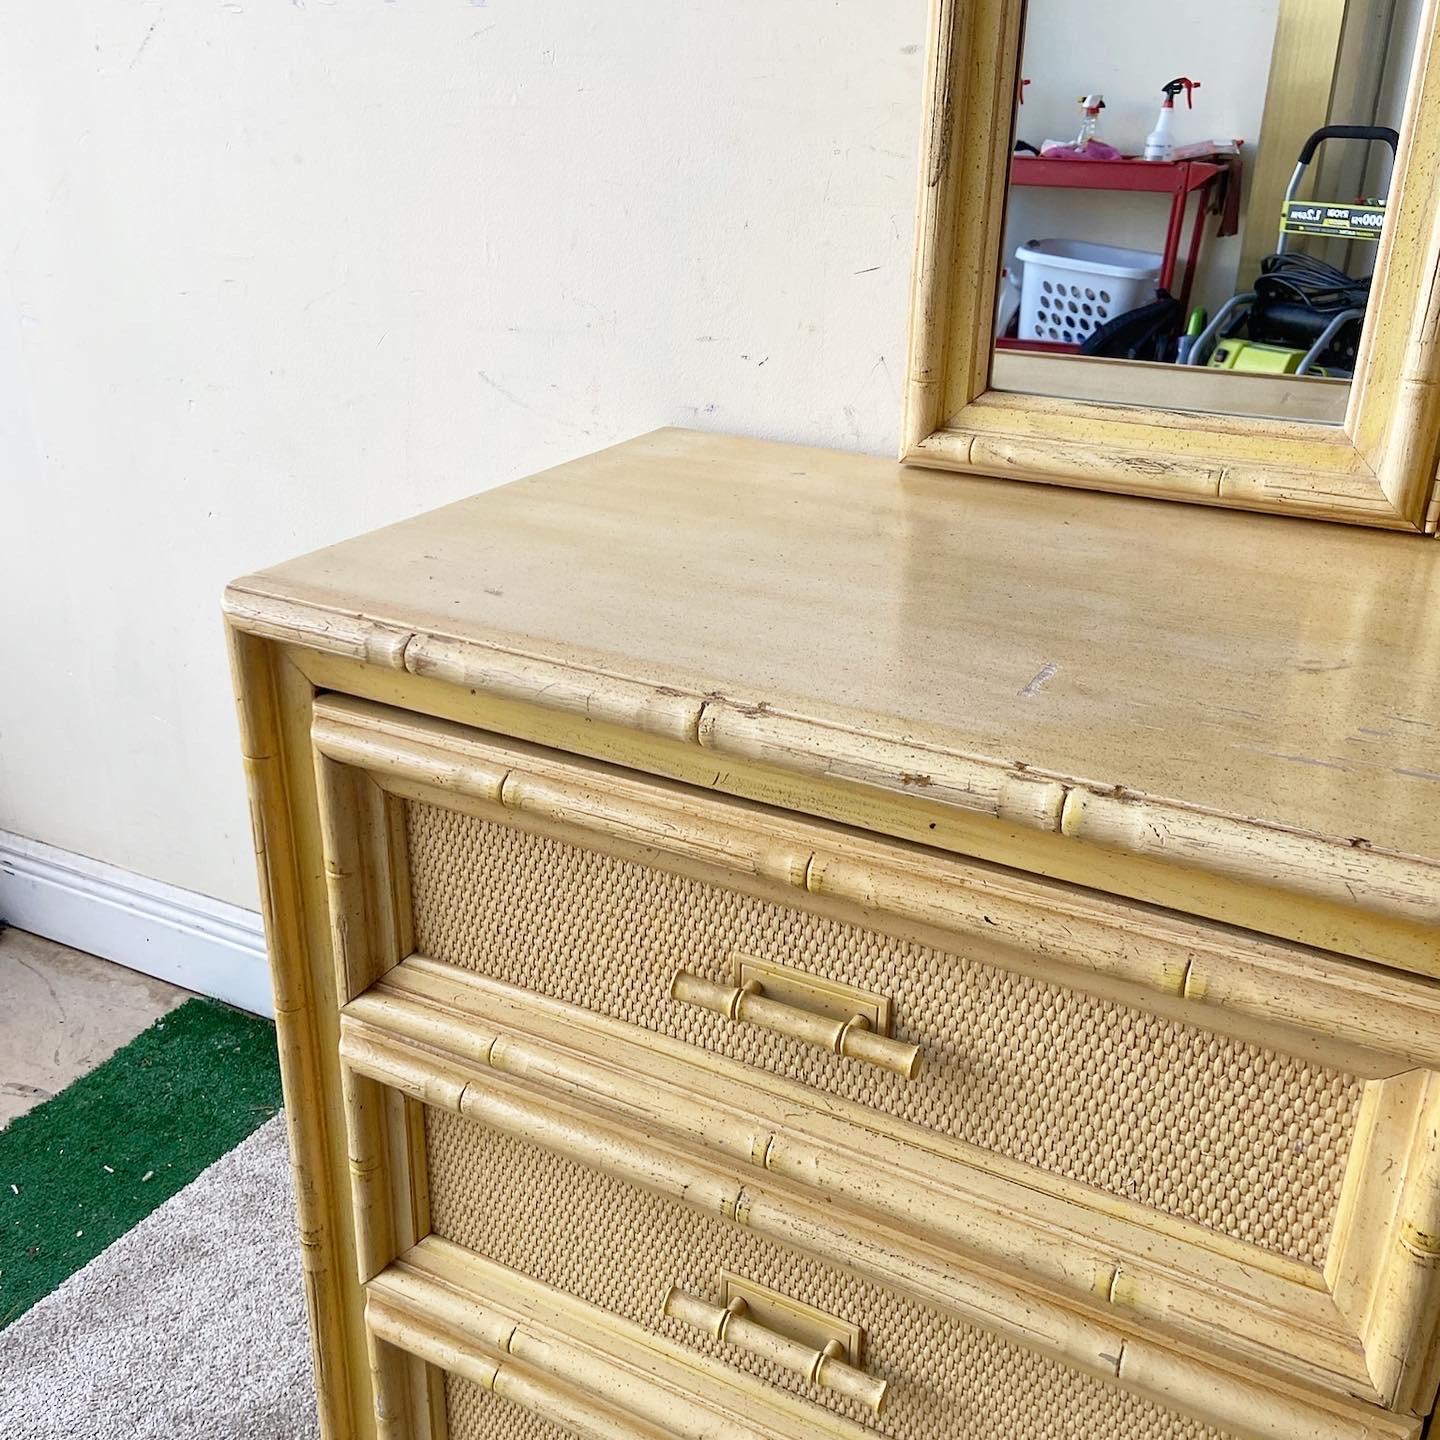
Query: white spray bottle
1091, 106
1159, 143
1087, 144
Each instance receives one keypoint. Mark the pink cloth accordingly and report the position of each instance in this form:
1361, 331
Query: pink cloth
1094, 150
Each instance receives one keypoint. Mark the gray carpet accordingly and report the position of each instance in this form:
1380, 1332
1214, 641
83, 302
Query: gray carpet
190, 1326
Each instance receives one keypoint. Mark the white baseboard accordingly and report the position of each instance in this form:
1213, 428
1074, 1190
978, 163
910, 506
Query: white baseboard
190, 940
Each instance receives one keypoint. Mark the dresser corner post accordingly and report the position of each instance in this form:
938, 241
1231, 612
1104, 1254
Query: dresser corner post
273, 701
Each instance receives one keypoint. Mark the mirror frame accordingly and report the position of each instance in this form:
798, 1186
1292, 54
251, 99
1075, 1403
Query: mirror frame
1377, 468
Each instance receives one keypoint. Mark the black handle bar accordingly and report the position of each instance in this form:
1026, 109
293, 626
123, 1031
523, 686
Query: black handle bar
1350, 132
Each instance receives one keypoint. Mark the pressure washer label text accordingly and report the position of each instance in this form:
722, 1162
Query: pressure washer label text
1344, 222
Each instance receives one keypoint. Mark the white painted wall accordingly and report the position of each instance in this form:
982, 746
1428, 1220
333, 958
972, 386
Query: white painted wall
275, 273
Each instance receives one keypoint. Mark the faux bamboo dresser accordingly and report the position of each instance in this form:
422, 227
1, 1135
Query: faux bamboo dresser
768, 943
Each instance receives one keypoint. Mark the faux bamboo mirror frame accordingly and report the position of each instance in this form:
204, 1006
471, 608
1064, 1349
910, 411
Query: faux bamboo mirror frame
1376, 467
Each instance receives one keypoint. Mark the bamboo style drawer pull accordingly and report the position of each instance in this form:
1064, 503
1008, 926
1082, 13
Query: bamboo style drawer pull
731, 1324
750, 1005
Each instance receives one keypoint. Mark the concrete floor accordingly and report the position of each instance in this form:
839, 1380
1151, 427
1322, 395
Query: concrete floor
62, 1013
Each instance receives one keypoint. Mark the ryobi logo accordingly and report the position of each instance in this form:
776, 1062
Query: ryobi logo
1352, 222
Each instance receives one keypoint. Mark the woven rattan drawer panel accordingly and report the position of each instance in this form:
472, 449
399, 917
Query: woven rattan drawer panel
1247, 1141
621, 1248
476, 1414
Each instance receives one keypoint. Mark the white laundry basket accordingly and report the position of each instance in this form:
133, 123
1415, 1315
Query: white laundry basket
1070, 287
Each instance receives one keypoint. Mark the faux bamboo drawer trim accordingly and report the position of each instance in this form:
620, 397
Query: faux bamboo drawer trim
985, 1213
1245, 1140
557, 1194
1309, 1002
619, 1248
379, 768
567, 1368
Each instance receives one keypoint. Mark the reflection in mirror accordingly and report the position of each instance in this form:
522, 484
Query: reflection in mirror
1196, 198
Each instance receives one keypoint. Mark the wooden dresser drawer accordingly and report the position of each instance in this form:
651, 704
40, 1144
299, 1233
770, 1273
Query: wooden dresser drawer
1247, 1141
661, 1235
596, 1355
1187, 1106
624, 1250
502, 1356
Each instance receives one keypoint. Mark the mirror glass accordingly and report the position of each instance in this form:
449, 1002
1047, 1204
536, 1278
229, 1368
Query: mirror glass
1195, 200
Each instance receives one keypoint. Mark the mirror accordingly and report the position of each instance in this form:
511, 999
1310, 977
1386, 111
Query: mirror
1195, 200
1361, 450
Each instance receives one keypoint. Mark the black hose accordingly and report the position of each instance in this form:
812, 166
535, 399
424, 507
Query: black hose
1304, 280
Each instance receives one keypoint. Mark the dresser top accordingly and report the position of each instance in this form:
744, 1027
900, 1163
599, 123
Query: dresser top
1156, 677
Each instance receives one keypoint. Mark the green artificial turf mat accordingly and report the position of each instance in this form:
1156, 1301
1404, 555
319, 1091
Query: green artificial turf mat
78, 1171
